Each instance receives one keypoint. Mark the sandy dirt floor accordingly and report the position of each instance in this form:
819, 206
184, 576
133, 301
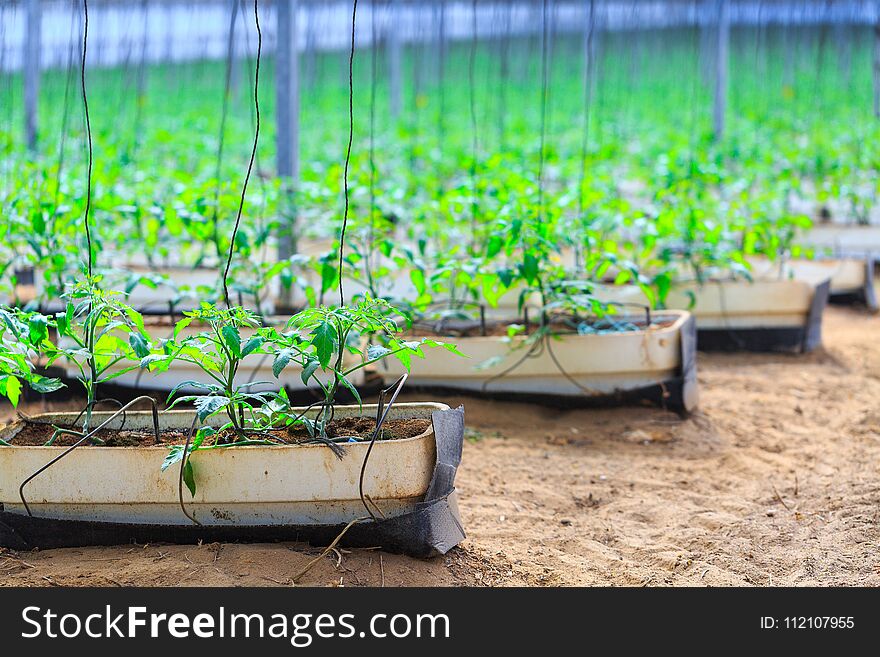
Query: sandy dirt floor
775, 481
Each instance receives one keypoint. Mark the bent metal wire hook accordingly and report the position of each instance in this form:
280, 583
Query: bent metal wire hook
381, 414
85, 438
633, 304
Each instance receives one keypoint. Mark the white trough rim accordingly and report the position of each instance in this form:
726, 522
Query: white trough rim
847, 275
600, 363
845, 240
736, 304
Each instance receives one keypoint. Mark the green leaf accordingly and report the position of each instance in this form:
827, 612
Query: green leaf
139, 344
10, 387
44, 384
454, 349
207, 406
530, 267
417, 276
38, 222
348, 384
232, 339
325, 341
136, 319
404, 357
191, 384
189, 477
328, 276
148, 360
182, 324
282, 359
493, 246
506, 277
310, 368
252, 345
377, 351
174, 455
38, 329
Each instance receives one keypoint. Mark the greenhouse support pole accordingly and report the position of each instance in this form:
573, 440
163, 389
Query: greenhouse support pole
230, 49
287, 113
395, 88
588, 43
32, 49
723, 13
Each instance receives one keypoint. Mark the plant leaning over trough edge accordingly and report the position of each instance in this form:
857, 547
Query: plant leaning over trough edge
318, 340
22, 338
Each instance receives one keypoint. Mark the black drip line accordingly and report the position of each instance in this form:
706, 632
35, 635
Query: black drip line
253, 153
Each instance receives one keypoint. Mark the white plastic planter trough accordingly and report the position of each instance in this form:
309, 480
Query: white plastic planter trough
739, 315
851, 279
187, 279
121, 493
158, 300
845, 241
658, 363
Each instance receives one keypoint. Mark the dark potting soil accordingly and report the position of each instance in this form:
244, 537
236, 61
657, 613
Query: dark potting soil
34, 434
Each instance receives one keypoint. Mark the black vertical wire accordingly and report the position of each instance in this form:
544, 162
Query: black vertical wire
250, 168
224, 111
88, 136
694, 74
588, 99
260, 179
473, 113
64, 121
503, 79
544, 76
348, 150
441, 84
374, 66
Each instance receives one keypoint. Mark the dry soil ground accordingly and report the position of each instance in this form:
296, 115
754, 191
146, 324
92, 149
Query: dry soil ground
776, 481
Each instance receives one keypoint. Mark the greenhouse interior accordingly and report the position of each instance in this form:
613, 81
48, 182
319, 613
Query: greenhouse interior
439, 293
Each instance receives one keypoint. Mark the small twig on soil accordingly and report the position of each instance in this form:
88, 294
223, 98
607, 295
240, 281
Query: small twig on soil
779, 498
9, 557
327, 550
338, 557
795, 484
382, 569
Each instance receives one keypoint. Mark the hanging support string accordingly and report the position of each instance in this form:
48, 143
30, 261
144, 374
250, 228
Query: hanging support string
348, 150
585, 140
224, 111
88, 136
371, 238
544, 75
253, 154
473, 113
